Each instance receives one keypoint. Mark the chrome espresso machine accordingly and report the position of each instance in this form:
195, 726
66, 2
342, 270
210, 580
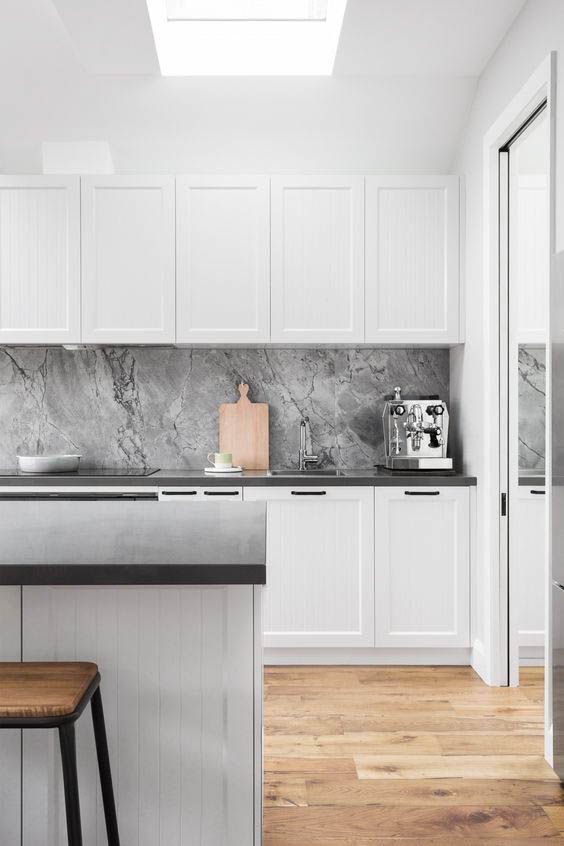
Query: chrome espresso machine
416, 434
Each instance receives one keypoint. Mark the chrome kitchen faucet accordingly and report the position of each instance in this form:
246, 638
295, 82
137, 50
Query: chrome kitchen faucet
305, 458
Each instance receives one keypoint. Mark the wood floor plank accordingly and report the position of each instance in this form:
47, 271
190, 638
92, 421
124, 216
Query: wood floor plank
415, 822
519, 767
482, 743
436, 723
342, 746
284, 792
306, 725
337, 791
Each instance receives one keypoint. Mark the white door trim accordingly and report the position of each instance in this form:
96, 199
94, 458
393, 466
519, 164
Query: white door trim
540, 87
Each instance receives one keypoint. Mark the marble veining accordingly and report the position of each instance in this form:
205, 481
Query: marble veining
158, 407
532, 407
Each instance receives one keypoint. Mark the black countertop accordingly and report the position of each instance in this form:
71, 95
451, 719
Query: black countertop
66, 542
254, 478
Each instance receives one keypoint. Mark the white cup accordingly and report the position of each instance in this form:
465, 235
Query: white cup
221, 460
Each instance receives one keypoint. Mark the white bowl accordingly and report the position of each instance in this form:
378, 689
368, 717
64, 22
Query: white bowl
48, 463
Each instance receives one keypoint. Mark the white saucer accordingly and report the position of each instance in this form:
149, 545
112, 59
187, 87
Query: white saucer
216, 472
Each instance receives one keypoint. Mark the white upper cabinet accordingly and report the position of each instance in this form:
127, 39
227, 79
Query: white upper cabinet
39, 260
128, 259
422, 567
317, 259
412, 259
223, 259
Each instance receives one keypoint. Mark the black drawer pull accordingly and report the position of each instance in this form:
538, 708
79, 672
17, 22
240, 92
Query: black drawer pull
538, 493
221, 493
180, 493
422, 493
309, 493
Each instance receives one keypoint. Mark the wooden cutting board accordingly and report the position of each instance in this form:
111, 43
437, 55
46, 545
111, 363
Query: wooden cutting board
243, 431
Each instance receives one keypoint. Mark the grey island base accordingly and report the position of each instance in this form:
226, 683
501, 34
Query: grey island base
166, 600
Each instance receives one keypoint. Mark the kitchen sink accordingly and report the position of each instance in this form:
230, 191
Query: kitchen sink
315, 472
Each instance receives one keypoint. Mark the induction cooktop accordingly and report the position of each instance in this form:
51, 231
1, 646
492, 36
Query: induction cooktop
91, 471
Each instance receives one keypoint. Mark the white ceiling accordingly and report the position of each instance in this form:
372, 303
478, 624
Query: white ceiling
447, 37
404, 81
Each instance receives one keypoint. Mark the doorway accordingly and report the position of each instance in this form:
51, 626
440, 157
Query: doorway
524, 228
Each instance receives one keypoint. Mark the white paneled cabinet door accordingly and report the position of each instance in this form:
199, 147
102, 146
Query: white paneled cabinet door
128, 263
422, 567
412, 259
320, 554
223, 259
317, 259
528, 538
177, 688
39, 260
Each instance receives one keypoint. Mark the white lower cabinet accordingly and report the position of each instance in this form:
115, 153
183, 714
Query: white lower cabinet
422, 567
528, 540
179, 691
320, 566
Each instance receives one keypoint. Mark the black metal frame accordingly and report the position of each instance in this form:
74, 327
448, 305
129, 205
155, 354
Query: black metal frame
65, 724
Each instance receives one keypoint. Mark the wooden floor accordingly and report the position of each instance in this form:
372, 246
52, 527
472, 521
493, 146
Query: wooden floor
359, 756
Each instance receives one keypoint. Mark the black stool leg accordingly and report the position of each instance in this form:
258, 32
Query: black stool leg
104, 767
70, 781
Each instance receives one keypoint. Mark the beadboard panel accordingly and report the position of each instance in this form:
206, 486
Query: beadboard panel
317, 272
39, 259
422, 567
177, 670
320, 553
128, 269
412, 249
223, 259
10, 739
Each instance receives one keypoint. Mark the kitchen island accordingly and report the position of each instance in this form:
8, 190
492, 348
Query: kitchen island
166, 600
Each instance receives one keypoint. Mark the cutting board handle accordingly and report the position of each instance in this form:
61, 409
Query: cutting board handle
244, 390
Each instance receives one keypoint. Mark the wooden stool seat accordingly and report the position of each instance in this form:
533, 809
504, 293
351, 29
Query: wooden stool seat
53, 695
38, 690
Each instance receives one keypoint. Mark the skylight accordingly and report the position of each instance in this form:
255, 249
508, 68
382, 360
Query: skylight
246, 10
246, 37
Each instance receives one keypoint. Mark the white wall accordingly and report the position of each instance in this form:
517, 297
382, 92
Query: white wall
537, 30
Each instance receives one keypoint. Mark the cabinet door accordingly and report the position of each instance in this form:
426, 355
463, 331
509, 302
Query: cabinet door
128, 260
412, 259
320, 571
223, 255
177, 686
528, 533
422, 567
39, 260
317, 259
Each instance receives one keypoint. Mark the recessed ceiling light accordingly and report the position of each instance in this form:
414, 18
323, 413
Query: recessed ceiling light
246, 37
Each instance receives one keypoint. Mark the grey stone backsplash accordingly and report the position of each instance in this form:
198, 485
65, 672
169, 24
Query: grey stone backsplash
532, 407
158, 407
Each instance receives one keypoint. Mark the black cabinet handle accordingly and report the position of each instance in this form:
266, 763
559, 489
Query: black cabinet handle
538, 493
221, 493
309, 493
180, 493
422, 493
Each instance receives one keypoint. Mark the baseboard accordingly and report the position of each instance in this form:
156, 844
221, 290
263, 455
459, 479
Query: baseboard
478, 661
531, 656
375, 657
